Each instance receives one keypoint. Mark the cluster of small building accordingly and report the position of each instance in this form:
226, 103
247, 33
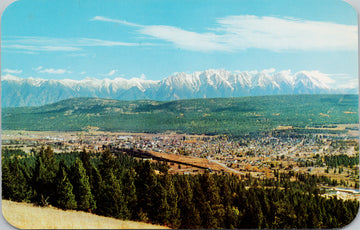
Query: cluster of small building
234, 152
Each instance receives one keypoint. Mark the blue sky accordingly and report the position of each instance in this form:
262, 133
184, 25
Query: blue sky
152, 39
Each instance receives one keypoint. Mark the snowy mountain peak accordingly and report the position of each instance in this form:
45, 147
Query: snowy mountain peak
9, 77
200, 84
311, 79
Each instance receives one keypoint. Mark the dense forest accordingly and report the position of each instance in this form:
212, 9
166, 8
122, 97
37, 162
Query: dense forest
120, 186
236, 116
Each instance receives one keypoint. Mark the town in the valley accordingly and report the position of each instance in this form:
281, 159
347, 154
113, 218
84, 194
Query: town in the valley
261, 156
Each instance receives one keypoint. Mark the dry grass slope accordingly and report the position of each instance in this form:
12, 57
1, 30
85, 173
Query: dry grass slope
27, 216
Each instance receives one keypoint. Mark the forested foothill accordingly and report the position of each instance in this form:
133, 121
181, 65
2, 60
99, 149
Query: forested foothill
117, 185
211, 116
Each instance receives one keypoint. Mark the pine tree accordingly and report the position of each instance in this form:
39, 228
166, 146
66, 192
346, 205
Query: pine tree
65, 198
85, 159
107, 165
285, 216
7, 179
189, 215
111, 200
79, 179
213, 209
130, 192
14, 184
253, 216
172, 200
145, 186
44, 176
232, 217
161, 209
226, 198
96, 182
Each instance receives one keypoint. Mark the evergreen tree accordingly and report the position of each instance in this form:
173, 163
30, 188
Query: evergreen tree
284, 216
111, 200
85, 159
161, 208
65, 199
130, 192
145, 186
172, 200
213, 208
7, 179
232, 217
107, 165
44, 176
253, 215
14, 184
189, 215
79, 179
226, 196
96, 182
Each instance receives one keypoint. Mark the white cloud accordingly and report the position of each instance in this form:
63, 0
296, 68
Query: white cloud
349, 84
83, 72
32, 43
12, 71
286, 34
53, 71
18, 51
241, 32
112, 72
180, 38
186, 39
105, 19
98, 42
39, 48
9, 77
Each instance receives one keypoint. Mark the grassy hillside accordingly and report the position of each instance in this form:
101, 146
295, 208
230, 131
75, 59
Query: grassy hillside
196, 116
27, 216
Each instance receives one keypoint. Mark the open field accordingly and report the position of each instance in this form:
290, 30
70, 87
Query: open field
201, 162
27, 216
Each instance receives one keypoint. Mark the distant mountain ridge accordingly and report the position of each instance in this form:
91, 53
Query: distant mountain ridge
201, 84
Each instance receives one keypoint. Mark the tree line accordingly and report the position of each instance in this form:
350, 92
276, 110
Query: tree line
116, 185
341, 160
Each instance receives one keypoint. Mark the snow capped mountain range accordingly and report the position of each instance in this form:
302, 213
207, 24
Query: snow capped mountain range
202, 84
